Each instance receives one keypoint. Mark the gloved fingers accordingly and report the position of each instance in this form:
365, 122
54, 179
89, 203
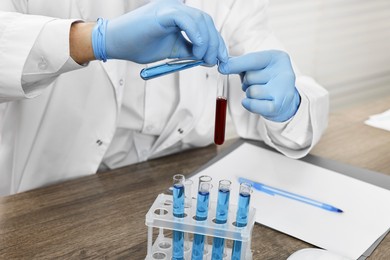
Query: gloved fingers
281, 103
285, 99
283, 88
223, 55
210, 36
260, 92
182, 48
200, 51
213, 44
185, 22
256, 77
207, 49
264, 108
269, 84
208, 45
248, 62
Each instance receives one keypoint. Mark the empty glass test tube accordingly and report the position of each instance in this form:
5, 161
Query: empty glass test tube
242, 216
202, 209
220, 110
178, 211
221, 216
188, 193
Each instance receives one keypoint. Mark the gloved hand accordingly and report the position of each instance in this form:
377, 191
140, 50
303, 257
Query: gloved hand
269, 82
154, 32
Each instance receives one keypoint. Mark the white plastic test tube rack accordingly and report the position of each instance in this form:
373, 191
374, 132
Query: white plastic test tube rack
160, 216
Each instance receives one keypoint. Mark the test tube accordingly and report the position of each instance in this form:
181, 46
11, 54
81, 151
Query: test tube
242, 216
220, 111
188, 193
202, 209
169, 67
178, 211
221, 216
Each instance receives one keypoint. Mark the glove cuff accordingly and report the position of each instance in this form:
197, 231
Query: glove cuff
99, 39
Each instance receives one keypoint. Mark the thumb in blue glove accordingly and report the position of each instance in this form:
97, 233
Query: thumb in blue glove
269, 82
154, 32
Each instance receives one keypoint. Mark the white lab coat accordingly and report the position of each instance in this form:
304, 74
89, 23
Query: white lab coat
59, 118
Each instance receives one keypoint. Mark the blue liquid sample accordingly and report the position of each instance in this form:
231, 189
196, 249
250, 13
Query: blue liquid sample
236, 251
178, 245
178, 211
198, 247
221, 218
241, 221
178, 201
170, 67
222, 206
202, 209
243, 209
202, 206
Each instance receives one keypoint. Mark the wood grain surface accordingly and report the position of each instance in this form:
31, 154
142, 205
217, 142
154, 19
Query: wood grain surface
102, 216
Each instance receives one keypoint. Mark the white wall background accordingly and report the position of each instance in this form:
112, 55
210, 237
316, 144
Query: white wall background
343, 44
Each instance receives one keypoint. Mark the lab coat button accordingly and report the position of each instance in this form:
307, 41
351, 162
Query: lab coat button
144, 154
180, 131
42, 65
149, 128
99, 142
121, 82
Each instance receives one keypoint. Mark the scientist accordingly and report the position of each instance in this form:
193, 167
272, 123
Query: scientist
64, 115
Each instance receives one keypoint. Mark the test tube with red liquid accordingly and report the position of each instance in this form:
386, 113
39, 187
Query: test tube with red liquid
220, 111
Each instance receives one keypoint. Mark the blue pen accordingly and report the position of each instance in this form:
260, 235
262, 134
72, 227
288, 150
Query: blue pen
169, 67
275, 191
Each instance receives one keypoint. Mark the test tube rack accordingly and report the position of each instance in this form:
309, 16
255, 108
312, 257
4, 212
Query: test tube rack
160, 216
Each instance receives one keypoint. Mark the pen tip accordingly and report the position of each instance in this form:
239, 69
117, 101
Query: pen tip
339, 211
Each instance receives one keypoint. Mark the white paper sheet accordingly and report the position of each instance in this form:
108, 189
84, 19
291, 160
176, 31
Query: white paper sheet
381, 120
366, 207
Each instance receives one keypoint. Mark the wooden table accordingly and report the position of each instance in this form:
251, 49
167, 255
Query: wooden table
103, 216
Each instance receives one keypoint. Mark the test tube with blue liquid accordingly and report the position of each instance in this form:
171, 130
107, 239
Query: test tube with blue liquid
169, 67
178, 212
221, 217
202, 209
241, 216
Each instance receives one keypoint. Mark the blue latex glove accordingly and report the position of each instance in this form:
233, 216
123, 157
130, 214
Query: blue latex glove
154, 32
269, 82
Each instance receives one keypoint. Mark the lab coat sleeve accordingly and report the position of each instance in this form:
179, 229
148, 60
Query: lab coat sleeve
246, 30
33, 51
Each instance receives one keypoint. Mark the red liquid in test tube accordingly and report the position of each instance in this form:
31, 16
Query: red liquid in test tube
220, 120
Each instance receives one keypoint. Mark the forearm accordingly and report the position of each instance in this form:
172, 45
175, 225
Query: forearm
80, 42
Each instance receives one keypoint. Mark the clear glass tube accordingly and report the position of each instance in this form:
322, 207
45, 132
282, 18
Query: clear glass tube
169, 67
223, 201
188, 193
202, 209
202, 205
242, 215
243, 204
221, 216
220, 110
178, 195
178, 211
